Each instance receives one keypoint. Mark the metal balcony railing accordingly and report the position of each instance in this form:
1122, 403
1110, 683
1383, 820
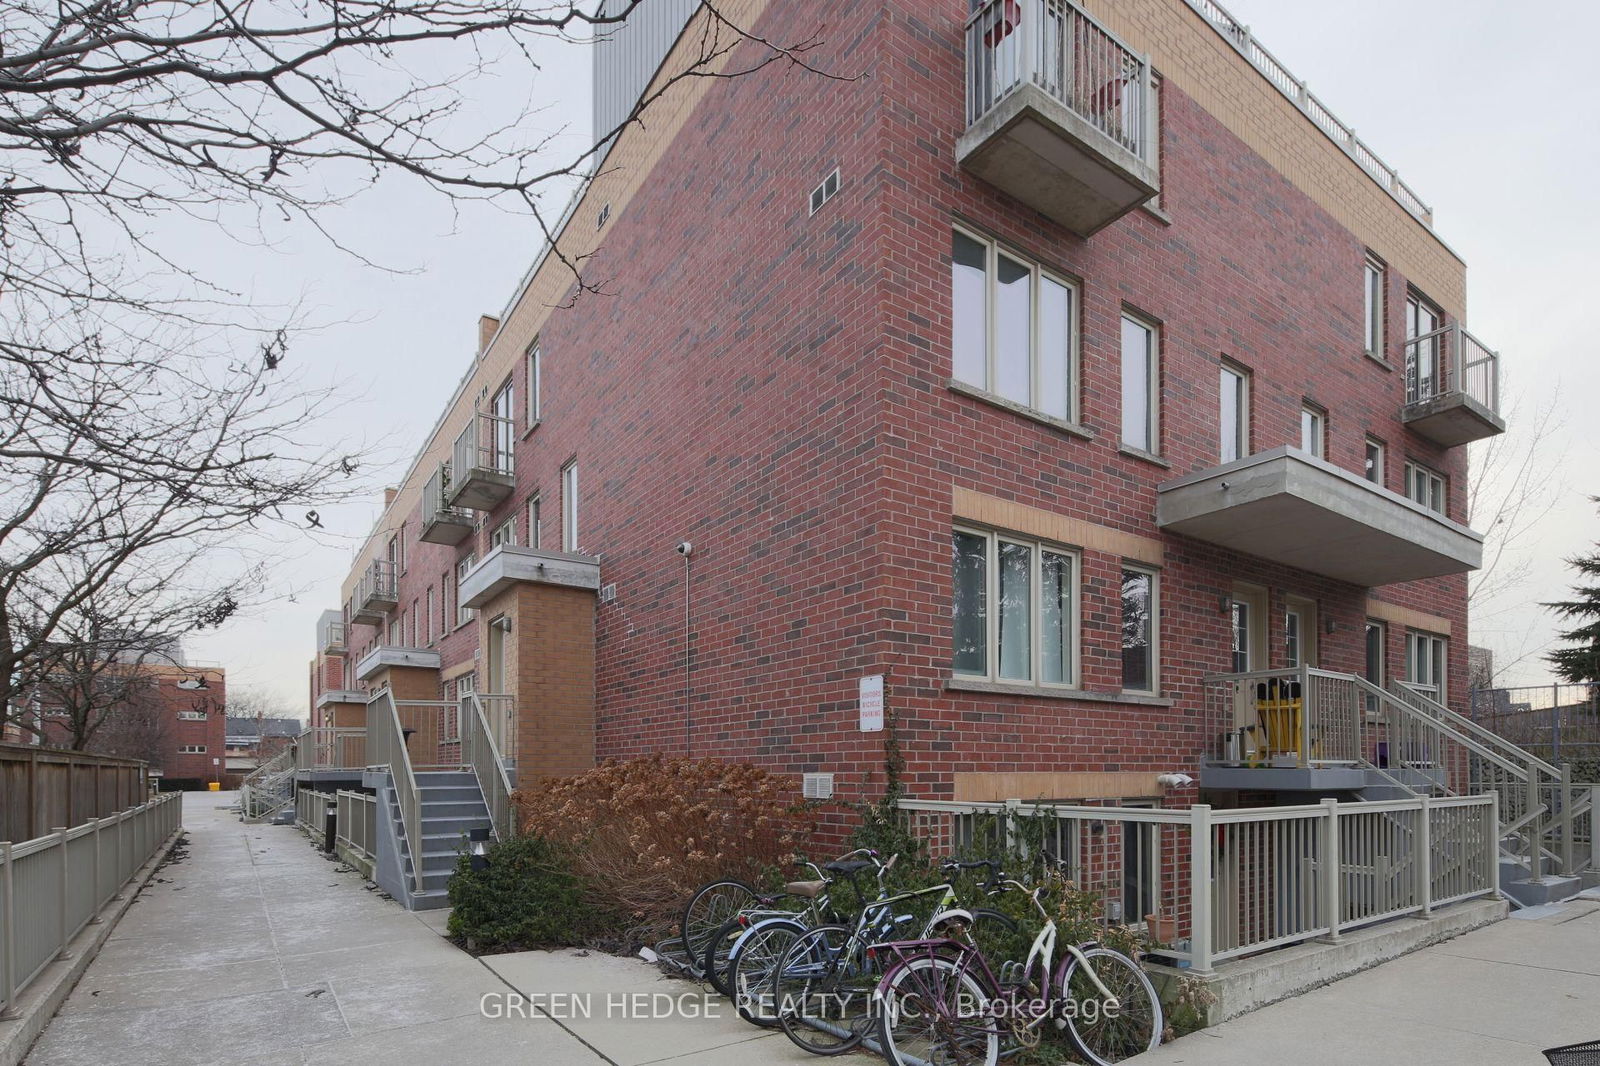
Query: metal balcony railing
331, 637
484, 444
1451, 360
379, 587
1057, 46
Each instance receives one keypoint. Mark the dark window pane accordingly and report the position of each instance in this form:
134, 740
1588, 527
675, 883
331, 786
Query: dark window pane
1138, 667
971, 620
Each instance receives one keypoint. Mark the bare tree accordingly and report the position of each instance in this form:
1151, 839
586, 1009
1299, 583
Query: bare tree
148, 429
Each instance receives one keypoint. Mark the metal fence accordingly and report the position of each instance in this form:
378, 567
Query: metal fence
1450, 360
357, 823
1560, 723
1212, 885
310, 812
53, 885
1057, 46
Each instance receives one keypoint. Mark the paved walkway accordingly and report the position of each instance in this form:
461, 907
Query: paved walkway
254, 949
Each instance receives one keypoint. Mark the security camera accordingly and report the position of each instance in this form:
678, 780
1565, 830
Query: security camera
1175, 780
684, 548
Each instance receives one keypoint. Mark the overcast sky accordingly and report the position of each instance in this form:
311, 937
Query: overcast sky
1490, 117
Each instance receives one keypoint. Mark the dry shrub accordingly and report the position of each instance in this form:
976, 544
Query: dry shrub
647, 832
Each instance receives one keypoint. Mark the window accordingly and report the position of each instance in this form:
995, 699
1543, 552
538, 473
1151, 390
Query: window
535, 411
1140, 381
394, 552
1313, 430
1141, 622
1425, 663
394, 633
1425, 486
428, 606
1233, 407
447, 596
569, 507
192, 716
463, 614
504, 409
1373, 282
504, 535
1376, 466
1031, 634
411, 626
535, 526
1014, 328
1375, 672
1241, 628
1293, 637
192, 749
1422, 349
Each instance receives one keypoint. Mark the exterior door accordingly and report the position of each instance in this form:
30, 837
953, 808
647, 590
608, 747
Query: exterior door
494, 680
1422, 362
1300, 632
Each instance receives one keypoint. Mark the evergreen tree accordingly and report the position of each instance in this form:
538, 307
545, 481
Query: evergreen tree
1581, 661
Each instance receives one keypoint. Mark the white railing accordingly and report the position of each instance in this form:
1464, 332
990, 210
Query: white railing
378, 586
1211, 885
53, 886
339, 746
1238, 35
311, 811
386, 746
357, 823
268, 788
1057, 46
479, 751
436, 496
500, 711
485, 443
1451, 360
331, 636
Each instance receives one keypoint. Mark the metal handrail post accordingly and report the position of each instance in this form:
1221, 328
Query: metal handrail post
1330, 869
1200, 890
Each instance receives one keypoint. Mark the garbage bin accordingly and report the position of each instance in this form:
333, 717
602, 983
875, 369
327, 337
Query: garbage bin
214, 786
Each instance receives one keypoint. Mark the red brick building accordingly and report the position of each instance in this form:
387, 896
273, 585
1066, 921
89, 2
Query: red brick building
939, 390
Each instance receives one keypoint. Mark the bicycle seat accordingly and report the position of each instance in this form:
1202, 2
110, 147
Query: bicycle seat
847, 867
808, 889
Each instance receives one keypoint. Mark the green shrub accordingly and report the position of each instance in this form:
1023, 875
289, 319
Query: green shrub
528, 897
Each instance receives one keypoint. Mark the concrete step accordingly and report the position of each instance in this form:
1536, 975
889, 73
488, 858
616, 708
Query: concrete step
453, 825
1531, 893
438, 778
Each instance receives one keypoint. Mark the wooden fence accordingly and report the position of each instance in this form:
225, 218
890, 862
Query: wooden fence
42, 789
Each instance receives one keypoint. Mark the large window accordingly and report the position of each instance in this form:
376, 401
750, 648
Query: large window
1422, 349
1014, 328
504, 409
1141, 621
505, 535
535, 376
1140, 385
1426, 663
569, 507
1233, 411
1372, 283
1425, 486
463, 614
1313, 431
1015, 614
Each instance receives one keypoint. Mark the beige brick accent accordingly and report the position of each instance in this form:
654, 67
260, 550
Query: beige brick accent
1405, 616
990, 788
1047, 525
1193, 57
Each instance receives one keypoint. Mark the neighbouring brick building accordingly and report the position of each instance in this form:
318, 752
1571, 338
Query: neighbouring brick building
1043, 366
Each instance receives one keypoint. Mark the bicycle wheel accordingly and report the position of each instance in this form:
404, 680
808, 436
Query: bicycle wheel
755, 963
822, 991
719, 955
932, 1010
1100, 1034
711, 905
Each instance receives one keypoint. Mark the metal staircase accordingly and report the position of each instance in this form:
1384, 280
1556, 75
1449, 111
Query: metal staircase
269, 788
1399, 741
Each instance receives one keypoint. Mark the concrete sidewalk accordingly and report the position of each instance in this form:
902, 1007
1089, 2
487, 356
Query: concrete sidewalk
250, 947
1497, 996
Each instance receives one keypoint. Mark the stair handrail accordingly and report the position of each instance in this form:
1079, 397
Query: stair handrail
389, 749
1466, 725
480, 752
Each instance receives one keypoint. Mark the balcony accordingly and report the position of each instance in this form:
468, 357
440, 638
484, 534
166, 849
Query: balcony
481, 463
386, 656
1290, 508
1059, 113
441, 523
377, 593
508, 566
1452, 387
331, 636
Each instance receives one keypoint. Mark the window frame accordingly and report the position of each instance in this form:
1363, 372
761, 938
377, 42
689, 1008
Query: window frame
1038, 272
1155, 624
991, 572
427, 600
504, 535
1381, 628
534, 401
1437, 482
535, 520
1437, 649
464, 565
1376, 472
1318, 417
1374, 299
1241, 430
570, 504
1152, 328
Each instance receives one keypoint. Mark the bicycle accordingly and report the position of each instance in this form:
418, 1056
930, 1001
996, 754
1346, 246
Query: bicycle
823, 987
939, 1001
